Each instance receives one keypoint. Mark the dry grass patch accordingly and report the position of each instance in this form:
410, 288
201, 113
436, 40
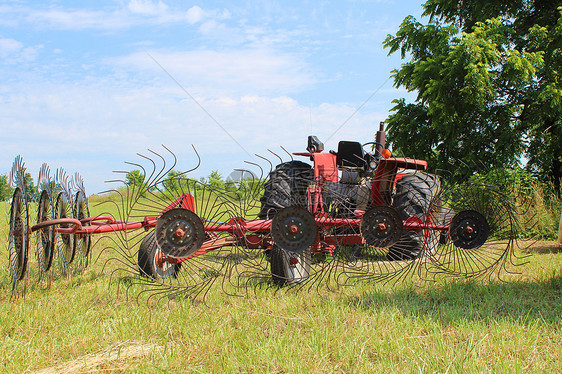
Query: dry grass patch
113, 359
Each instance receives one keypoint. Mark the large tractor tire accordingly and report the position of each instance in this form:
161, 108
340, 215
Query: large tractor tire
287, 186
416, 197
147, 260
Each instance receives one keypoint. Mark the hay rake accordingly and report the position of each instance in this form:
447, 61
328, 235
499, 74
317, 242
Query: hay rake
358, 213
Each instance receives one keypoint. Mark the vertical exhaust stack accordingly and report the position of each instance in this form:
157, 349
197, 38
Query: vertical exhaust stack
380, 139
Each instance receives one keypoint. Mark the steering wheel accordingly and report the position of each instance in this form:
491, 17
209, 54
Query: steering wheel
372, 154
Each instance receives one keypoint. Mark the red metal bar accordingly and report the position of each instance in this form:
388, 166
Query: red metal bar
117, 226
94, 220
206, 247
76, 225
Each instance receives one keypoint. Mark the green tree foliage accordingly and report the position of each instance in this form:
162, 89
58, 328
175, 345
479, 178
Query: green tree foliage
5, 190
135, 178
215, 179
487, 77
30, 188
175, 181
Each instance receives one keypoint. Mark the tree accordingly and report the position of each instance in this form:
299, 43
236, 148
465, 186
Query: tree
487, 77
30, 188
174, 181
135, 178
215, 179
5, 190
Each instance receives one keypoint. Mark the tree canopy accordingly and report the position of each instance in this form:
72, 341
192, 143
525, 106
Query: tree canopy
5, 190
135, 178
487, 77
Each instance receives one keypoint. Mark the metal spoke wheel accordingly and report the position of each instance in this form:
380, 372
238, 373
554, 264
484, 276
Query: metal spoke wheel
482, 225
46, 235
82, 242
18, 236
64, 242
381, 226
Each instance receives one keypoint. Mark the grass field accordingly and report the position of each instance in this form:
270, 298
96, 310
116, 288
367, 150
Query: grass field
88, 323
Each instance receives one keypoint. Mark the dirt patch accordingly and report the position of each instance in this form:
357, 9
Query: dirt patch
122, 352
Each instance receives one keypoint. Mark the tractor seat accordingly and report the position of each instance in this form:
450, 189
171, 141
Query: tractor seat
351, 156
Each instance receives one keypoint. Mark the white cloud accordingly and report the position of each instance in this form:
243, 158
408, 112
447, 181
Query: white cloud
131, 14
258, 71
195, 14
13, 51
70, 19
147, 7
9, 45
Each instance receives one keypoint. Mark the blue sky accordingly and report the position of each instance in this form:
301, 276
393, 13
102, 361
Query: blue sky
86, 85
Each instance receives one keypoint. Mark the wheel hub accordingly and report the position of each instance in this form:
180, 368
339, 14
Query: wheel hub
179, 233
469, 229
381, 226
293, 229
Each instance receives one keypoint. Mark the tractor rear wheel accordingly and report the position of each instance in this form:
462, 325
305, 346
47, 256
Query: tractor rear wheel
286, 186
416, 197
147, 263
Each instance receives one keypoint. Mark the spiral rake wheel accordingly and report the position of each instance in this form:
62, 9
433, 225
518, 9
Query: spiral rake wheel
395, 238
65, 242
185, 241
293, 229
46, 235
179, 233
278, 248
469, 230
81, 211
18, 235
482, 227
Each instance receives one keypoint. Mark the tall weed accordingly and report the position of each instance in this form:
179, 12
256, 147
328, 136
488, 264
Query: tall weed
536, 204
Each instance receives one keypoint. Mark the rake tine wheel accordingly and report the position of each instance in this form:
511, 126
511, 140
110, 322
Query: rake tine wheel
482, 230
383, 246
288, 255
65, 243
18, 236
45, 236
303, 246
185, 246
82, 242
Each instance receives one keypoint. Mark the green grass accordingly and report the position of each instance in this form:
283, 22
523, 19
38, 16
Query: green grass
509, 326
